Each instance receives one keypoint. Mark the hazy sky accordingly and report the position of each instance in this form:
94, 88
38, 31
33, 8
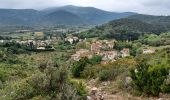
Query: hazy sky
156, 7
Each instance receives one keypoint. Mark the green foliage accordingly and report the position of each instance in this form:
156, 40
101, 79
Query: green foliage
122, 44
3, 75
124, 29
111, 73
16, 48
79, 66
155, 40
96, 59
83, 67
136, 49
81, 88
53, 84
64, 46
112, 70
90, 72
104, 75
25, 88
149, 79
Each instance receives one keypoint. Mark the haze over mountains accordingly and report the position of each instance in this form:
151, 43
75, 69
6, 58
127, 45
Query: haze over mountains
73, 15
69, 15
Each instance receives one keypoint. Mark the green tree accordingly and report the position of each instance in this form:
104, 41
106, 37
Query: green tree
149, 79
79, 66
96, 59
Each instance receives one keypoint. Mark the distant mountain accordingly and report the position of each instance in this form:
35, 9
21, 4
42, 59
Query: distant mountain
18, 16
33, 17
130, 28
90, 14
61, 17
69, 15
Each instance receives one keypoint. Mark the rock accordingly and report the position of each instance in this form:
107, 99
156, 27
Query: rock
163, 99
89, 98
105, 83
128, 80
94, 91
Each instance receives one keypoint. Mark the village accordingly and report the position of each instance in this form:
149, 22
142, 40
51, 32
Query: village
69, 49
36, 41
103, 48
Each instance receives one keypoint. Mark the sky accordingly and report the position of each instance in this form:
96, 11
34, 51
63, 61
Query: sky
152, 7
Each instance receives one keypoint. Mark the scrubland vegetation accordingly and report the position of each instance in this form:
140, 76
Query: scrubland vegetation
31, 73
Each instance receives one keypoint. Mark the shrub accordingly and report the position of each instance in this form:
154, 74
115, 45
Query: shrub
104, 75
111, 73
149, 79
42, 66
52, 84
89, 72
166, 85
81, 89
3, 75
96, 59
79, 66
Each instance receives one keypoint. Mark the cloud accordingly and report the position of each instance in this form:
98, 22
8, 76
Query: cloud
156, 7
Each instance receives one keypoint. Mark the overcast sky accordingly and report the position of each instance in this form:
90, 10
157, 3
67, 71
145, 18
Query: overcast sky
154, 7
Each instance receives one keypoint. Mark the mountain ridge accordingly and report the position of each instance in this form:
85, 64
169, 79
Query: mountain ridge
71, 15
130, 28
91, 14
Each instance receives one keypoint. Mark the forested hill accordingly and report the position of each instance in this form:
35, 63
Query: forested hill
66, 15
91, 15
151, 18
158, 20
130, 28
18, 16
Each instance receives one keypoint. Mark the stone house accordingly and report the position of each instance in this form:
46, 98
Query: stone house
109, 55
75, 57
96, 47
72, 39
81, 53
125, 52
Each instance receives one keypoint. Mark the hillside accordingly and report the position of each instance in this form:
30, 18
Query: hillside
61, 17
18, 16
90, 14
33, 17
159, 20
130, 28
69, 15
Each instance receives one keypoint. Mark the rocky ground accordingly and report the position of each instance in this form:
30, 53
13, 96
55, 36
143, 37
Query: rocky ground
99, 92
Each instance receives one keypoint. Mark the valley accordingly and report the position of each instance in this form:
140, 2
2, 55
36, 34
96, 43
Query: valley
83, 53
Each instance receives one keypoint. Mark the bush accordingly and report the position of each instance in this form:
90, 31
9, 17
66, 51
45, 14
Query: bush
149, 79
81, 89
112, 72
23, 90
3, 75
96, 59
89, 72
104, 75
166, 85
52, 83
109, 74
79, 66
